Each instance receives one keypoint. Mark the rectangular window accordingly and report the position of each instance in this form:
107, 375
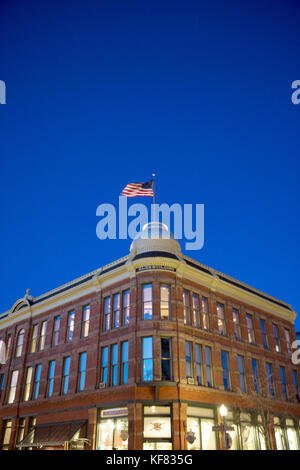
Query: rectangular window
21, 430
221, 319
288, 341
276, 338
34, 338
296, 387
255, 375
27, 383
19, 345
242, 373
70, 326
50, 379
8, 346
2, 378
165, 302
198, 360
6, 434
225, 368
250, 329
81, 372
264, 333
43, 335
270, 379
116, 310
186, 307
36, 382
104, 365
166, 364
196, 310
85, 324
114, 365
208, 366
55, 334
124, 369
147, 302
66, 375
205, 317
236, 324
283, 382
147, 359
188, 360
107, 308
13, 386
126, 307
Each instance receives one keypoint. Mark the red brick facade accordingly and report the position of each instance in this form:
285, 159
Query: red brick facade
135, 394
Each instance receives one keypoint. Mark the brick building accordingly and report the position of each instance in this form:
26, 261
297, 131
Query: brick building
141, 353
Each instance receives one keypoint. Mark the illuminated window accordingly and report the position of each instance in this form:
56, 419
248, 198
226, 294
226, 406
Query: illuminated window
276, 338
43, 336
186, 307
221, 319
288, 341
205, 316
13, 386
85, 324
196, 310
165, 302
27, 383
236, 324
19, 346
6, 434
251, 337
34, 338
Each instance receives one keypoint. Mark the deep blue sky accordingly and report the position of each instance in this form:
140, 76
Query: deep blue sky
102, 93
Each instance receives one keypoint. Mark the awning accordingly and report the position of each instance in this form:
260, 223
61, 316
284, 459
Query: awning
51, 435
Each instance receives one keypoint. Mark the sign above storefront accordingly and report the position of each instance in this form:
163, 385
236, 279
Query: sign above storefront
114, 412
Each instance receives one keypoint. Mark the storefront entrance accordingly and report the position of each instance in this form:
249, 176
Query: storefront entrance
112, 429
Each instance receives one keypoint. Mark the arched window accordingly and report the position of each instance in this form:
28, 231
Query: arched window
19, 346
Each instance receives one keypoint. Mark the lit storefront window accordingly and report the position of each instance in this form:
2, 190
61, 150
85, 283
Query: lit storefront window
249, 433
113, 429
157, 428
200, 422
292, 435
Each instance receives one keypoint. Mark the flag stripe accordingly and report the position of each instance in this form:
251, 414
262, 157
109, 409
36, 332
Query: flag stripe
138, 189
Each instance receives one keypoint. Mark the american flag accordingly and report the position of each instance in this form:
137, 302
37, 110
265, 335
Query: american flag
138, 189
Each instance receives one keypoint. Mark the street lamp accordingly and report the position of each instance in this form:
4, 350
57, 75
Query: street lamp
225, 436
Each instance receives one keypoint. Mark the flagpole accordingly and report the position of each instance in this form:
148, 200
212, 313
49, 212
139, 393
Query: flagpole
154, 214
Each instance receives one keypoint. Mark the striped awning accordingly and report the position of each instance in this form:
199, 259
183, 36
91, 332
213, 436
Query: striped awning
51, 435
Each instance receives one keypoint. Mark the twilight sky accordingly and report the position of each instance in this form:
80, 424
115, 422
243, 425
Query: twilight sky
103, 93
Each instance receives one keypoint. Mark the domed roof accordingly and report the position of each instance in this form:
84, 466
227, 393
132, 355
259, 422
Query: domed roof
155, 236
